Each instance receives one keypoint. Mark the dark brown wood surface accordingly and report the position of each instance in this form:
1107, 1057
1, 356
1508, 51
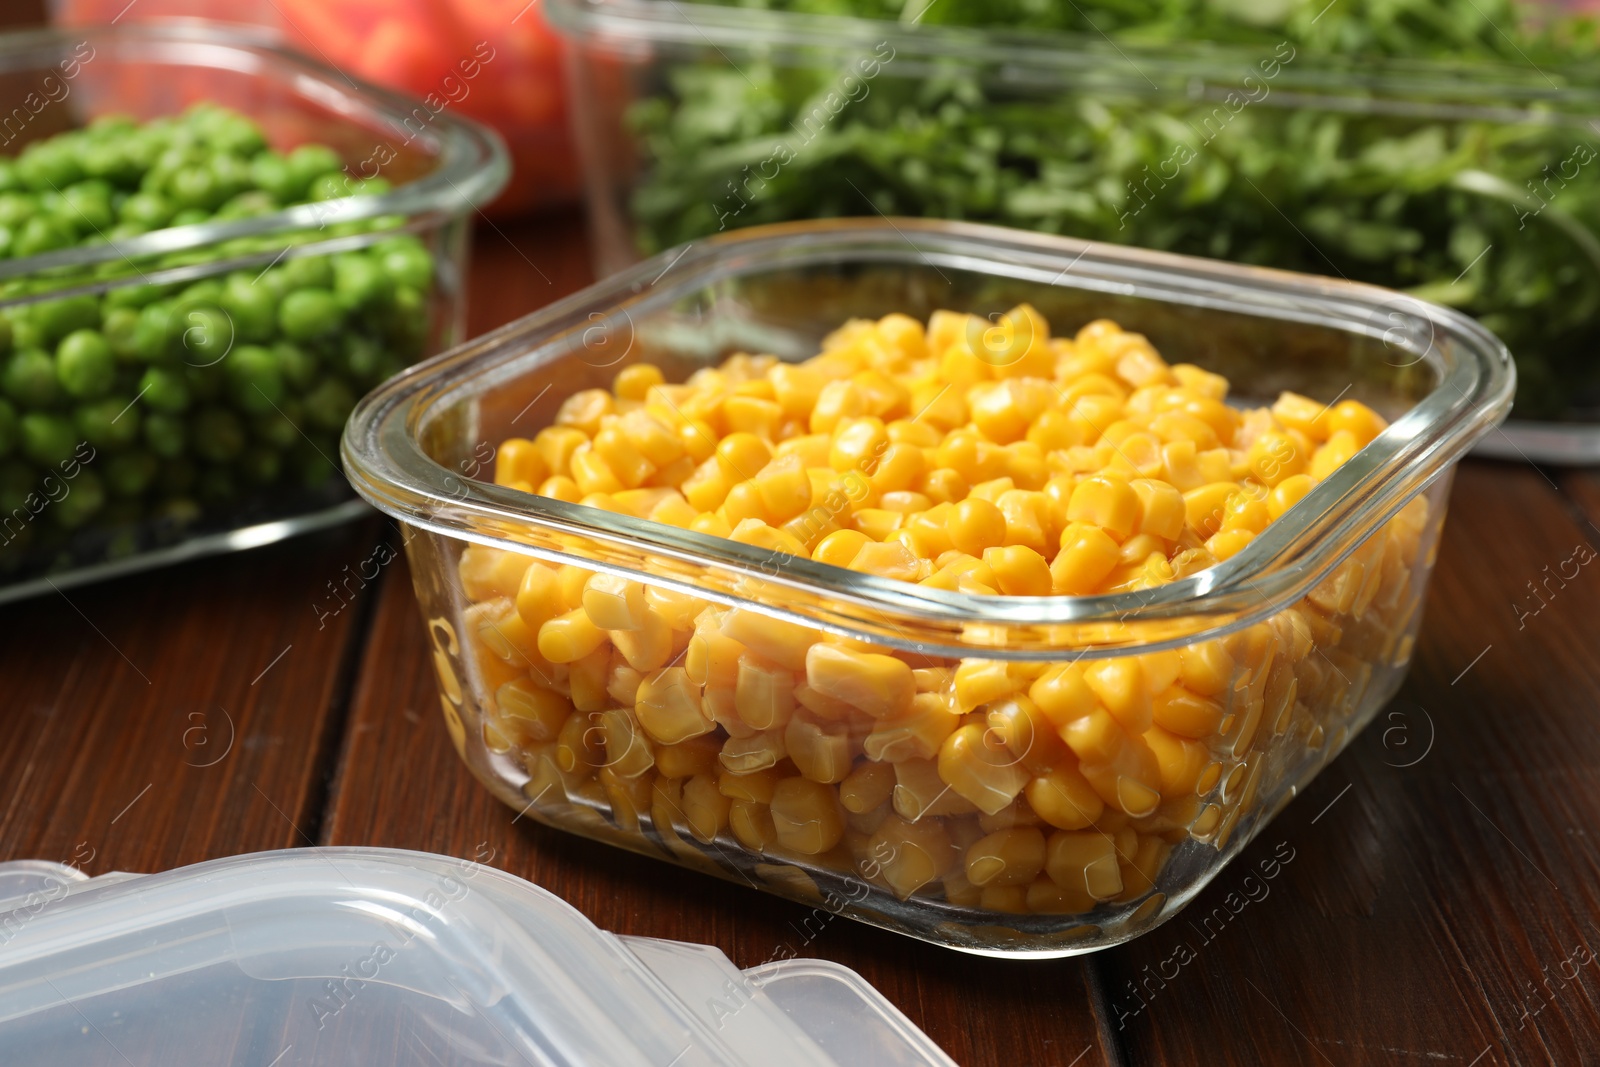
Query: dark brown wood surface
1441, 895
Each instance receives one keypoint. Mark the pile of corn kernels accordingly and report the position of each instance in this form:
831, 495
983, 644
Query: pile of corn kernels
968, 455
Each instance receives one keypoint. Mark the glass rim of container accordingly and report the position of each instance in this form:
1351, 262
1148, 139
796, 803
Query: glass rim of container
1474, 380
1199, 70
470, 167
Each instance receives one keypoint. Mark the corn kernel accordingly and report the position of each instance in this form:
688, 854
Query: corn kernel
614, 603
915, 733
569, 637
785, 643
1087, 556
1106, 501
669, 707
1354, 417
536, 714
697, 755
758, 752
1083, 861
976, 525
805, 816
820, 751
876, 684
1335, 453
1006, 858
1287, 493
868, 786
1063, 798
705, 808
979, 768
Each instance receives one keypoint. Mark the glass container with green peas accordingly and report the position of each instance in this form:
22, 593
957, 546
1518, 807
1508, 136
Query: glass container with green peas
218, 292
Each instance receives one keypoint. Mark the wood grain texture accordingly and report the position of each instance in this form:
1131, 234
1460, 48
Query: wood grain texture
179, 715
1444, 867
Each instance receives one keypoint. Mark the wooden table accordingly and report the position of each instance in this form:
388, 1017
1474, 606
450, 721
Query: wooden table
1440, 905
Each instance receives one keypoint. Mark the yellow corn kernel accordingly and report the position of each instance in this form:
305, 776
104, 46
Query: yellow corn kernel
1044, 897
820, 751
487, 573
622, 681
519, 460
614, 603
876, 523
580, 744
907, 855
805, 816
743, 502
919, 791
751, 823
784, 489
1335, 453
705, 809
1011, 857
979, 681
1020, 571
753, 415
876, 684
586, 680
1180, 761
1204, 507
741, 455
897, 468
1186, 713
1063, 798
678, 609
839, 548
628, 751
621, 457
1062, 694
556, 444
979, 768
838, 400
823, 707
1161, 510
584, 409
1140, 870
648, 647
669, 707
629, 797
1287, 493
758, 534
592, 473
560, 487
1275, 456
697, 755
975, 525
1120, 685
1129, 781
1172, 426
569, 637
1106, 501
708, 486
1225, 544
758, 752
756, 786
1096, 737
868, 786
764, 693
796, 389
1360, 421
1004, 410
784, 643
535, 713
1200, 382
1246, 510
634, 382
1084, 861
1206, 668
915, 733
1087, 556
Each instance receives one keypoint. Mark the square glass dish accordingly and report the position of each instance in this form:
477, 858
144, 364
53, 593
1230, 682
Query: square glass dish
1285, 650
227, 338
1468, 185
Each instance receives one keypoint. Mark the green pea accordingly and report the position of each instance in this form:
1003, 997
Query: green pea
112, 424
85, 365
90, 202
329, 404
6, 335
17, 208
8, 238
253, 308
358, 281
405, 260
191, 216
204, 291
255, 382
151, 210
25, 333
48, 439
57, 318
408, 328
231, 174
247, 205
134, 296
260, 465
299, 365
359, 358
153, 336
132, 473
307, 272
9, 179
271, 173
313, 465
116, 163
311, 160
48, 165
120, 325
164, 389
165, 435
29, 378
42, 233
309, 313
218, 434
87, 496
206, 335
8, 428
196, 187
335, 185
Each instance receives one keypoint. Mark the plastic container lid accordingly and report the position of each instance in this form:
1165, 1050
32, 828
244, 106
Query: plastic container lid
363, 955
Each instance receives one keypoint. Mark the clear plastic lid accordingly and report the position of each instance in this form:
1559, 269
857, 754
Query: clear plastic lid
361, 955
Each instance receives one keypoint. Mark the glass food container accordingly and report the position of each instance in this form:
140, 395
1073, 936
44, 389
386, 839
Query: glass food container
215, 465
1469, 186
1291, 646
324, 957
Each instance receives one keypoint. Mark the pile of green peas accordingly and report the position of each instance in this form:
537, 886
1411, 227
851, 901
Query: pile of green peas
187, 398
